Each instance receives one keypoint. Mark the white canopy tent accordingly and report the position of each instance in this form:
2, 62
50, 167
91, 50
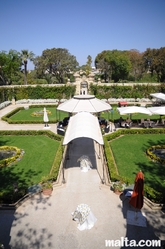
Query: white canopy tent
87, 103
133, 109
160, 96
83, 124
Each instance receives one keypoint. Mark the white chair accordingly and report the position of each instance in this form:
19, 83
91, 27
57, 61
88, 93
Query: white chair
156, 124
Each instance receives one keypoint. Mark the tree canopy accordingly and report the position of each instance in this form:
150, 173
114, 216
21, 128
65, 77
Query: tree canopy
56, 65
57, 62
10, 66
26, 55
115, 64
131, 65
155, 62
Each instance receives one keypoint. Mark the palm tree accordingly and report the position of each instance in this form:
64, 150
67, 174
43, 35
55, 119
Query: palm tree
25, 56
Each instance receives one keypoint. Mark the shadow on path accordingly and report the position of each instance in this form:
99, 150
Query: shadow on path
13, 220
141, 232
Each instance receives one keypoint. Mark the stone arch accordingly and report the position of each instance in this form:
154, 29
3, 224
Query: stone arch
83, 88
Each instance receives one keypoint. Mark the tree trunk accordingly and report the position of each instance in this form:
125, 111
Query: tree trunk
25, 72
3, 80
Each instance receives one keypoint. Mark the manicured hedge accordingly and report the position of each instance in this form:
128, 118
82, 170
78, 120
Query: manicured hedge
37, 92
120, 91
32, 133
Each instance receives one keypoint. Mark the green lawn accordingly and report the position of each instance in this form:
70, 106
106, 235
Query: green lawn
130, 156
36, 162
27, 114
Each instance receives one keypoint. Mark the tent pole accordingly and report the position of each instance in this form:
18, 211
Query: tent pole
99, 152
103, 180
63, 159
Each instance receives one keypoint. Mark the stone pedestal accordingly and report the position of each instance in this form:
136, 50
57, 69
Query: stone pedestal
13, 101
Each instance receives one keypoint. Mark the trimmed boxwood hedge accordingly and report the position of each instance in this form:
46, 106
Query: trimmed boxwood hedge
37, 92
150, 193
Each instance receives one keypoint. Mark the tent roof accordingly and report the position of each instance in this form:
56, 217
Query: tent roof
158, 95
83, 124
87, 103
133, 109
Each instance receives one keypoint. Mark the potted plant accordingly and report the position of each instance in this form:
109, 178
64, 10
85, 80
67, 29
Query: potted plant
118, 187
47, 186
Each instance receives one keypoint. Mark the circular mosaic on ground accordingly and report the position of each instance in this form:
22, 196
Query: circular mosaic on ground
10, 155
40, 113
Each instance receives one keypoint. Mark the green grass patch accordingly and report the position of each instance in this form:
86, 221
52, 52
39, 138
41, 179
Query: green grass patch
37, 161
27, 115
130, 156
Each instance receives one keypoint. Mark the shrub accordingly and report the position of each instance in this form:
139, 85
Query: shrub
153, 195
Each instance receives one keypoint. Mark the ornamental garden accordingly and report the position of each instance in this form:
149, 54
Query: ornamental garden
29, 157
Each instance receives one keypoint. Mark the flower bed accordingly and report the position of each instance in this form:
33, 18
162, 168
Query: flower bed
152, 152
40, 113
9, 155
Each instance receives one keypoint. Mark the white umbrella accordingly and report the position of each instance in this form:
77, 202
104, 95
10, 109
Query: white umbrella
80, 103
133, 109
46, 119
160, 110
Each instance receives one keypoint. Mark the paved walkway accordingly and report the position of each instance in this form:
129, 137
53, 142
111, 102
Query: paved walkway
46, 222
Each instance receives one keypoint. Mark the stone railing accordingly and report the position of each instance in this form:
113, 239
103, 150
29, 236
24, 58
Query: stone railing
4, 104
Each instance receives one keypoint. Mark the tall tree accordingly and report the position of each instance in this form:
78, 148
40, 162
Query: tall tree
155, 62
26, 55
113, 64
57, 62
103, 66
136, 63
10, 65
88, 64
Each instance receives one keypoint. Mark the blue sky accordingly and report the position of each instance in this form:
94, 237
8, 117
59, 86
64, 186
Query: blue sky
84, 27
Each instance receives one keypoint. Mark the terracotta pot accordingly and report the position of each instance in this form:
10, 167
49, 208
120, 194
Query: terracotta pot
47, 191
117, 192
